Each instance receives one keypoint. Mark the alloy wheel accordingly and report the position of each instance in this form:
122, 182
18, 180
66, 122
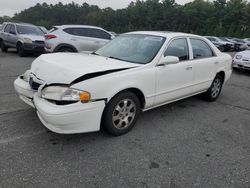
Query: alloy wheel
124, 114
216, 87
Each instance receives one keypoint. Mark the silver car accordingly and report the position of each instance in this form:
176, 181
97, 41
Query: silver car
24, 37
76, 38
241, 60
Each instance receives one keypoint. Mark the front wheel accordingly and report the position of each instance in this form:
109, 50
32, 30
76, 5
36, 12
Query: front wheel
214, 91
3, 47
121, 113
20, 50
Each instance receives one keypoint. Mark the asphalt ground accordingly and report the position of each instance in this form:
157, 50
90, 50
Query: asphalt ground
190, 143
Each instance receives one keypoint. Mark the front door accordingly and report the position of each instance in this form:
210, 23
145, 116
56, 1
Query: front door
175, 81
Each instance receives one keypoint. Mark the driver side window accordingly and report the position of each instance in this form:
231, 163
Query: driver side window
178, 48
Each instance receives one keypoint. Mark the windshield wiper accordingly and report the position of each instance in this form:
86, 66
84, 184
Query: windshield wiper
129, 61
94, 53
117, 58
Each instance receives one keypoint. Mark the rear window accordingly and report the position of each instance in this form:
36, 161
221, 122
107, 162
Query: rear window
88, 32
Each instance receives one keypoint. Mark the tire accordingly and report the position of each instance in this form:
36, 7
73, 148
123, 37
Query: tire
214, 91
235, 69
3, 47
20, 50
65, 49
118, 119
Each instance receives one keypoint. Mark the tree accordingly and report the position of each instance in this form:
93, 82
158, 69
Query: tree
220, 18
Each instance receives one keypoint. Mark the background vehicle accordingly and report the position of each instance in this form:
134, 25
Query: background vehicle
24, 37
44, 30
222, 45
76, 38
247, 41
241, 60
134, 72
114, 33
239, 44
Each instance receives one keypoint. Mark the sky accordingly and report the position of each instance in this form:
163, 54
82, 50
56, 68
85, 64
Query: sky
10, 7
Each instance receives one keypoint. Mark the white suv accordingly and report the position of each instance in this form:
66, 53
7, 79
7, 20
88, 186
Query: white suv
76, 38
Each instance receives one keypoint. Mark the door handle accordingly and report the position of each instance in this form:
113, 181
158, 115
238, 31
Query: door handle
216, 63
189, 68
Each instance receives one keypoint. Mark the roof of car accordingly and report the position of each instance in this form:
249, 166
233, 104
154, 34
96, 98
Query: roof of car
19, 23
77, 26
164, 33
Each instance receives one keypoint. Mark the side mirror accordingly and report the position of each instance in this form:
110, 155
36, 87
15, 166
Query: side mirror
168, 60
112, 37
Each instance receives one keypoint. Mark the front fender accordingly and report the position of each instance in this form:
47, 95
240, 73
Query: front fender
107, 86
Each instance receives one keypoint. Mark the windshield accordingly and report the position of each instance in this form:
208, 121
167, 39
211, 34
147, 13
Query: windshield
134, 48
23, 29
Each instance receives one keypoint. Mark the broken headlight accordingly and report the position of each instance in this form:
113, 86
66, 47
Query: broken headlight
63, 93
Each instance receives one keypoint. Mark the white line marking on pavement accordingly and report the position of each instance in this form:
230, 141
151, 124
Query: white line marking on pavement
13, 139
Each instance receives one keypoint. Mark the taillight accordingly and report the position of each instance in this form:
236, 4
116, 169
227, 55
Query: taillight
49, 36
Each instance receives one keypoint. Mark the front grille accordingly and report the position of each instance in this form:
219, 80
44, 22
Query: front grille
39, 42
34, 85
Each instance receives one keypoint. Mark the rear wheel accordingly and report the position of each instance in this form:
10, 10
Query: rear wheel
65, 49
121, 113
3, 47
214, 91
20, 50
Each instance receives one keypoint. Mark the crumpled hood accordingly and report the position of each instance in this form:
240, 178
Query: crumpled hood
33, 37
64, 68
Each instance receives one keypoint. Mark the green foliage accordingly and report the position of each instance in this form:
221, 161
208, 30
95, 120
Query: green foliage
221, 17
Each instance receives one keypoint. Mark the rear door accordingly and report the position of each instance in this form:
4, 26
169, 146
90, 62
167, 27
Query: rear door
78, 37
12, 37
99, 36
204, 64
6, 33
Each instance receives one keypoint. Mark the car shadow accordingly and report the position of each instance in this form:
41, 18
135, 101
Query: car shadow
102, 135
30, 54
242, 72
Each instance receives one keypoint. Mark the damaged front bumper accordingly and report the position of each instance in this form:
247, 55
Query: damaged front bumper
24, 90
64, 119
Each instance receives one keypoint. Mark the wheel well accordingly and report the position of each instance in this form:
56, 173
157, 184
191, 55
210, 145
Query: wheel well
222, 73
18, 43
65, 47
60, 46
138, 93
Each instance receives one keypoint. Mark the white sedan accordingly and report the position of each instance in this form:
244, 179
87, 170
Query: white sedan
138, 71
241, 60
